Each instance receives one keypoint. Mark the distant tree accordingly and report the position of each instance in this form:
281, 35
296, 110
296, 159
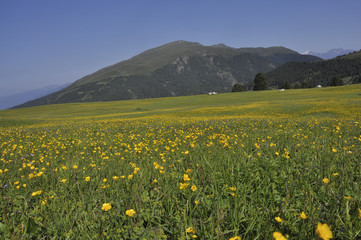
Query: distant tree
297, 85
239, 88
306, 84
260, 82
336, 81
356, 80
286, 85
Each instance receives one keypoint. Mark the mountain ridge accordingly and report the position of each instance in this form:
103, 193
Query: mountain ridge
12, 100
332, 53
174, 69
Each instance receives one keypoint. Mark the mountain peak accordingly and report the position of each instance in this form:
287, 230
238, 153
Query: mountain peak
332, 53
220, 45
182, 42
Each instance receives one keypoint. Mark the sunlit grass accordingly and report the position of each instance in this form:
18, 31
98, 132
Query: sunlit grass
205, 167
334, 101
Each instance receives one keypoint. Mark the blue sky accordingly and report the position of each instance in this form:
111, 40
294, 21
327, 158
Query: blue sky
44, 42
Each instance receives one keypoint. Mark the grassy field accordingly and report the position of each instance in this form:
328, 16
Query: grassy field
255, 165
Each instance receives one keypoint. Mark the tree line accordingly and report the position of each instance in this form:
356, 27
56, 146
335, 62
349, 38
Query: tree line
335, 72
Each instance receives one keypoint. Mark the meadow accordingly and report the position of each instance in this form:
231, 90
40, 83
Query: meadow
251, 165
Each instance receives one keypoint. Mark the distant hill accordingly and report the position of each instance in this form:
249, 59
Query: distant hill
174, 69
331, 53
310, 74
19, 98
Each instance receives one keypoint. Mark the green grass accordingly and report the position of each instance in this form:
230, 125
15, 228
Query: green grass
252, 156
303, 102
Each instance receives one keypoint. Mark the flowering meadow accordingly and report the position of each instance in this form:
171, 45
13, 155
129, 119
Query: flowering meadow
221, 171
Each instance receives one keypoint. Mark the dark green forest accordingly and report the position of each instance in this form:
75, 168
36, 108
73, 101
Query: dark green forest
341, 70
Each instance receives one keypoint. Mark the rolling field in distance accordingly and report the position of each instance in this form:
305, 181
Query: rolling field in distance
250, 165
332, 101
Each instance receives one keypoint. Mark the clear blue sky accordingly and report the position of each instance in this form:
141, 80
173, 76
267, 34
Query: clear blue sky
44, 42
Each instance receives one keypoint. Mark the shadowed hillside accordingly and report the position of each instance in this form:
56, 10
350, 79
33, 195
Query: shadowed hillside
310, 74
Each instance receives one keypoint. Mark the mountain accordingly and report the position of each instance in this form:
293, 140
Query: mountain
310, 74
331, 53
174, 69
19, 98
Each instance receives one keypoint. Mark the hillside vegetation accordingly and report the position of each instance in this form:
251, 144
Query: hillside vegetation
174, 69
301, 75
250, 165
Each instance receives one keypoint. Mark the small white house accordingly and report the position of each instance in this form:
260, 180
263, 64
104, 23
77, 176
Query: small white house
282, 90
319, 86
212, 93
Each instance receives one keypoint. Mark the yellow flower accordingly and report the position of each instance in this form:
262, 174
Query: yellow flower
105, 180
197, 202
154, 181
359, 212
335, 174
347, 197
235, 238
106, 207
37, 193
323, 231
24, 185
130, 212
233, 189
194, 236
186, 178
115, 178
183, 185
326, 180
279, 236
303, 215
75, 166
44, 202
334, 150
16, 183
194, 188
63, 181
191, 230
278, 219
87, 179
130, 177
